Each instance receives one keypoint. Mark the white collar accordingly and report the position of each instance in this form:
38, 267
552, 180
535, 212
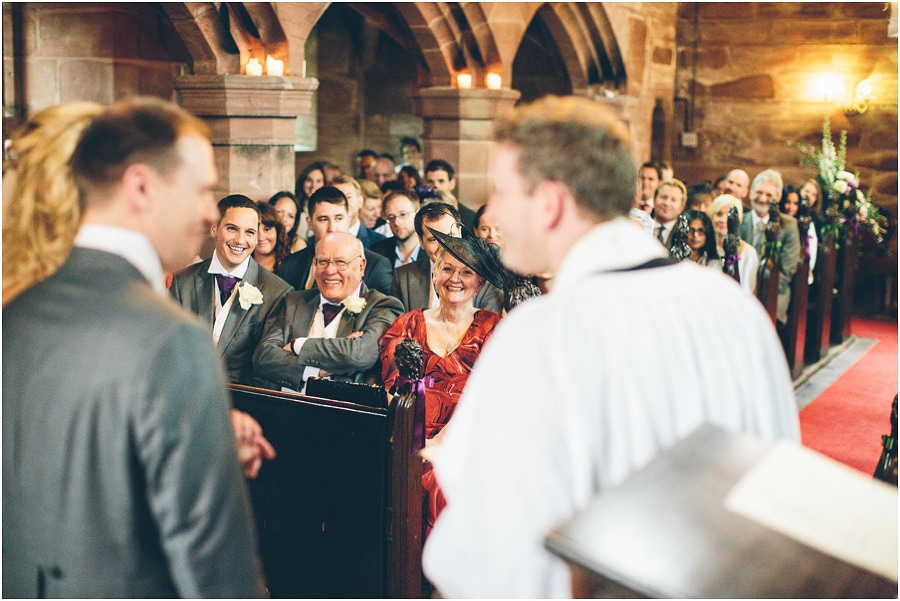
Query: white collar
611, 245
216, 267
758, 219
353, 230
131, 245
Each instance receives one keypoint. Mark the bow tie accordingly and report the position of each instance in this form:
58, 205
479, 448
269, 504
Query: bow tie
330, 311
226, 285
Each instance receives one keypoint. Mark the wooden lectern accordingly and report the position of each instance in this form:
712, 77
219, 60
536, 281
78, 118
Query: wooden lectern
666, 532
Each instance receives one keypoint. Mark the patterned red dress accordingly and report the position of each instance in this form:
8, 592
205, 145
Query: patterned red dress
450, 374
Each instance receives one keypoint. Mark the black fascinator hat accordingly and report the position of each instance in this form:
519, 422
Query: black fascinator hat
479, 255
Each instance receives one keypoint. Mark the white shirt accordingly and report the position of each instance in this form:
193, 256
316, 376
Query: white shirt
131, 245
317, 329
216, 267
576, 390
667, 231
353, 230
399, 258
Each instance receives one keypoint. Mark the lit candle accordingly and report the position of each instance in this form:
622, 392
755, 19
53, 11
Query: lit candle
463, 80
274, 67
253, 67
494, 81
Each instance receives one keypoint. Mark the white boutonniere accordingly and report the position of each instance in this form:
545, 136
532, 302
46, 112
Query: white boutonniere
353, 305
248, 295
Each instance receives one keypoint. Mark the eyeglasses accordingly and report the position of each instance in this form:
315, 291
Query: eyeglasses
339, 264
400, 215
697, 231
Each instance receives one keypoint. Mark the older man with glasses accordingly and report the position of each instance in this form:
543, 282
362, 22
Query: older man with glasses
332, 329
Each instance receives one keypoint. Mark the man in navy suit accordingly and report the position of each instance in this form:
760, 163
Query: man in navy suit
350, 188
326, 213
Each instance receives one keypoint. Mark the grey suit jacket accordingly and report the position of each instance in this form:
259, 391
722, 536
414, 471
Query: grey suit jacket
353, 359
789, 238
120, 475
194, 289
412, 285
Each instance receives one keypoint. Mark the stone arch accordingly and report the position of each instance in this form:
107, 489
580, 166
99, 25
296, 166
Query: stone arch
204, 36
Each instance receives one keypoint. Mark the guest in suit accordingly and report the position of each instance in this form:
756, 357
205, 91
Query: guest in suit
668, 203
486, 228
331, 330
120, 473
439, 175
327, 210
400, 208
383, 170
766, 188
229, 291
370, 213
271, 245
350, 188
412, 283
748, 259
648, 180
38, 181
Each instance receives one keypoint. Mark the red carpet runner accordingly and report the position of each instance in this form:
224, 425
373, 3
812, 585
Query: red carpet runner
847, 420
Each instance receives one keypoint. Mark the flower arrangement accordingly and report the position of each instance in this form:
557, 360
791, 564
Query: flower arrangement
844, 203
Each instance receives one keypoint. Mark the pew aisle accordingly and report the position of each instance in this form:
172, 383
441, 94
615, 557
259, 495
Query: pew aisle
847, 420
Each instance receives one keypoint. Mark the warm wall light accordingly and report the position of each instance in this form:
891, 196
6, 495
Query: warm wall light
828, 88
464, 81
862, 96
274, 67
253, 67
494, 81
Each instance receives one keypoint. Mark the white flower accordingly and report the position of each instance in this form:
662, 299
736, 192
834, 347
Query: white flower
840, 186
845, 175
859, 196
249, 294
353, 305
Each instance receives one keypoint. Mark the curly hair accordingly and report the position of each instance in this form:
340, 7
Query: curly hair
41, 206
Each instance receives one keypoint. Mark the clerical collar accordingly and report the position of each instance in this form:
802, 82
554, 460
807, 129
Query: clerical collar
131, 245
216, 267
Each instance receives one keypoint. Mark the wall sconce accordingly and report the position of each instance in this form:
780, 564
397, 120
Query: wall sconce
494, 81
862, 96
274, 67
253, 67
828, 88
463, 81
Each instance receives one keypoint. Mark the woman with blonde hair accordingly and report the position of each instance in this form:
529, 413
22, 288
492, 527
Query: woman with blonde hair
41, 210
748, 259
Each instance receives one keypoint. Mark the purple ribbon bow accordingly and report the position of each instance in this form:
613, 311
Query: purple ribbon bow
419, 417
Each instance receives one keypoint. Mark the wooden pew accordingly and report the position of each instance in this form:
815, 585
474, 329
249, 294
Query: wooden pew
338, 511
847, 258
818, 323
767, 286
794, 339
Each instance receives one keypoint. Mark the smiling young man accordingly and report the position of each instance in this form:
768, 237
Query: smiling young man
400, 209
669, 200
332, 329
230, 291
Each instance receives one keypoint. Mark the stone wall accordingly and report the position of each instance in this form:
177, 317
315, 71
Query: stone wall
749, 83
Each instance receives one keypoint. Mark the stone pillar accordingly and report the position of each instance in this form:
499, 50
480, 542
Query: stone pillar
458, 128
252, 121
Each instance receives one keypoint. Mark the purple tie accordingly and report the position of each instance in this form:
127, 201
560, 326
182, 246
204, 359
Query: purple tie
329, 311
226, 285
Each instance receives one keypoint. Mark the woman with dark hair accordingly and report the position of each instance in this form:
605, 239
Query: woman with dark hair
291, 214
310, 179
790, 200
790, 205
271, 245
702, 239
409, 177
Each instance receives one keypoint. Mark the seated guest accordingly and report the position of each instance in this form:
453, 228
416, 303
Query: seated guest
327, 210
229, 291
332, 171
412, 283
748, 259
271, 245
766, 188
350, 188
403, 247
649, 177
290, 213
331, 330
790, 205
365, 158
440, 176
451, 335
702, 239
409, 177
698, 197
668, 203
485, 227
370, 213
383, 170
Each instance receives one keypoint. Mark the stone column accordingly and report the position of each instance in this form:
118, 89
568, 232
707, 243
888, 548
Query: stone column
458, 128
252, 121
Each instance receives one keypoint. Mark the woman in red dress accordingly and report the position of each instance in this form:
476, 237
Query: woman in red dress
451, 336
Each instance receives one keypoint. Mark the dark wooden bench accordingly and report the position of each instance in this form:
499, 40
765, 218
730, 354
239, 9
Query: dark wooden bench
339, 510
847, 260
767, 286
794, 335
818, 322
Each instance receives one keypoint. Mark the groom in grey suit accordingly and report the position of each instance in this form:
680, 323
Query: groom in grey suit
231, 293
331, 330
120, 472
